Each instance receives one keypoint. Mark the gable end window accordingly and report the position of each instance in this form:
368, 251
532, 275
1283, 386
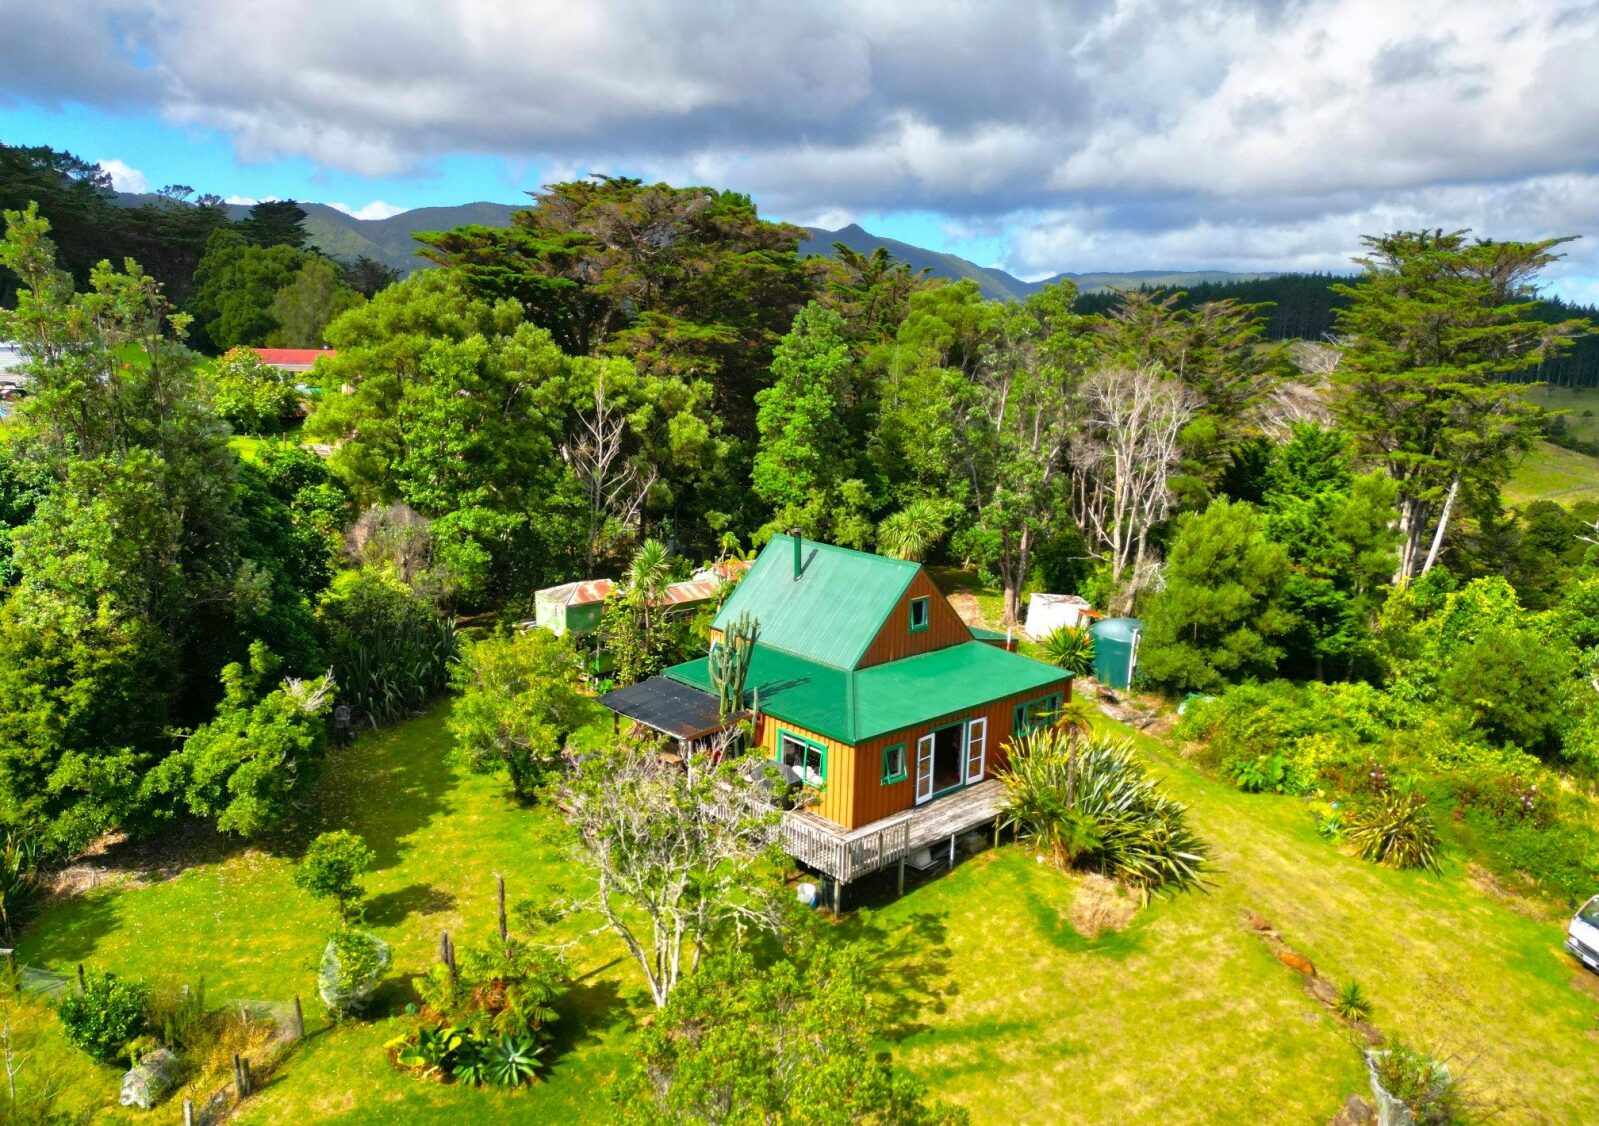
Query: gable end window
894, 764
806, 759
1037, 713
919, 614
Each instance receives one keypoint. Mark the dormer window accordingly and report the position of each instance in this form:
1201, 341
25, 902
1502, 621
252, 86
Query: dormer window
919, 612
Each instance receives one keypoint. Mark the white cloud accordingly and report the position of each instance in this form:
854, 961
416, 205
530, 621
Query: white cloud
1230, 131
241, 200
126, 178
377, 209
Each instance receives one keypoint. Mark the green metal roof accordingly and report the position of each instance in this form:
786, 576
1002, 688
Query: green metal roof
853, 706
831, 613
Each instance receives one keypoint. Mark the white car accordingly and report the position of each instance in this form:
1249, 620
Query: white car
1582, 936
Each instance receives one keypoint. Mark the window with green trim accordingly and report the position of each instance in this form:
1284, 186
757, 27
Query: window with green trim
894, 764
919, 614
1036, 713
806, 759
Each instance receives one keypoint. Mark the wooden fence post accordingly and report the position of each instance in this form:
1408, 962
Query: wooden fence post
82, 987
188, 1112
299, 1019
505, 931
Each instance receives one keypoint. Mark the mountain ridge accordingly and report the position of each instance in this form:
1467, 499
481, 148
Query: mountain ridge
341, 235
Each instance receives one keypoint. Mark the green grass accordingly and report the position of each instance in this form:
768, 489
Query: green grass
1549, 472
440, 836
1571, 402
998, 1002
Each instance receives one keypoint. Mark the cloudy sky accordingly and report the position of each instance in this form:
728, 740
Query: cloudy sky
1036, 136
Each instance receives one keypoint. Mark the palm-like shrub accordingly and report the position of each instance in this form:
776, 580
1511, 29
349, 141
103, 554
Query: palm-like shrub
391, 650
1091, 803
1071, 648
911, 532
1395, 829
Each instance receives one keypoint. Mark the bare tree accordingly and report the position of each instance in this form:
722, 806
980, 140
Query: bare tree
1122, 460
614, 485
680, 851
394, 535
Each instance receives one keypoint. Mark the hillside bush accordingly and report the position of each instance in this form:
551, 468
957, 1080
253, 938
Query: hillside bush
105, 1017
1091, 803
391, 649
1395, 829
332, 868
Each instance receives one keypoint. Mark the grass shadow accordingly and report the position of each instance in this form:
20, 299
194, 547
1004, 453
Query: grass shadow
908, 964
76, 928
391, 908
387, 786
586, 1011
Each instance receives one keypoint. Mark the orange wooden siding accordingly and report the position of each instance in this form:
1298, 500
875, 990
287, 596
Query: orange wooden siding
895, 639
854, 794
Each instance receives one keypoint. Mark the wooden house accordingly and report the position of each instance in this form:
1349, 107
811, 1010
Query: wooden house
866, 685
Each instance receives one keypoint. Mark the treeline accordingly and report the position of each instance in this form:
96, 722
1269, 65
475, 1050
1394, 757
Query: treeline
1306, 306
248, 282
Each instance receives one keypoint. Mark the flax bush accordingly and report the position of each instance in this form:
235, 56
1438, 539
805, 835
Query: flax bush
1090, 803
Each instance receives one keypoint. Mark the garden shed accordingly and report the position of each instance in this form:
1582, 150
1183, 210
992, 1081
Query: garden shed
573, 608
1116, 650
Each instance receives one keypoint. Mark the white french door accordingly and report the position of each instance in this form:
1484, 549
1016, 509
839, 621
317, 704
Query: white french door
976, 749
924, 768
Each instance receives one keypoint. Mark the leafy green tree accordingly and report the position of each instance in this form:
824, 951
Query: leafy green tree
265, 746
305, 306
1338, 531
457, 408
332, 869
274, 222
1430, 330
805, 455
1220, 616
1515, 686
368, 276
518, 702
734, 1040
73, 195
913, 531
22, 485
1014, 423
252, 397
871, 292
235, 286
679, 280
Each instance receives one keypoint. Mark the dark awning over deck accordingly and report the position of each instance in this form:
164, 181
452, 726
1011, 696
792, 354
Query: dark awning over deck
668, 707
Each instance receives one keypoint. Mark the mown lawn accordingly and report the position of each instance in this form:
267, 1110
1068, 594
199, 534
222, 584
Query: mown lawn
997, 1001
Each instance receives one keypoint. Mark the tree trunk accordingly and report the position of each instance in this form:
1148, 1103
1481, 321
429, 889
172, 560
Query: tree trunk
1443, 524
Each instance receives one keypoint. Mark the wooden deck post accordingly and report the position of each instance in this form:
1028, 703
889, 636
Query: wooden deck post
838, 897
901, 889
952, 850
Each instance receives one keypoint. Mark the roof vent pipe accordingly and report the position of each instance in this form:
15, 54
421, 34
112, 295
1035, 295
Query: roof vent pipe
798, 545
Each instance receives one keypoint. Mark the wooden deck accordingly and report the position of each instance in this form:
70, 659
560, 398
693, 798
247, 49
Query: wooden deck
847, 855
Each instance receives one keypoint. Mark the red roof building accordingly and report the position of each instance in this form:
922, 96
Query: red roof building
292, 359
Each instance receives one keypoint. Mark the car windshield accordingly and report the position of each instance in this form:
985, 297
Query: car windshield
1590, 912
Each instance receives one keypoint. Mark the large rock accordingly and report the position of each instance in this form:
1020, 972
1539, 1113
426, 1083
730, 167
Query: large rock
1296, 960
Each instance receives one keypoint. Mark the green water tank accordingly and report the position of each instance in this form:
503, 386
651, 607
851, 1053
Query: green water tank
1116, 650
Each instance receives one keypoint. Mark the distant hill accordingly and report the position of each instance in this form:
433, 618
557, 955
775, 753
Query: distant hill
390, 242
995, 283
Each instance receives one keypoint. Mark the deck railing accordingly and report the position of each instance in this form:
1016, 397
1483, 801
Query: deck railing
846, 858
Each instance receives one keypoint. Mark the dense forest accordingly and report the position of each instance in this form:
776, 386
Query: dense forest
633, 378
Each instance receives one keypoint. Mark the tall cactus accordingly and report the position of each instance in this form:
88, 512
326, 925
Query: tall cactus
729, 662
